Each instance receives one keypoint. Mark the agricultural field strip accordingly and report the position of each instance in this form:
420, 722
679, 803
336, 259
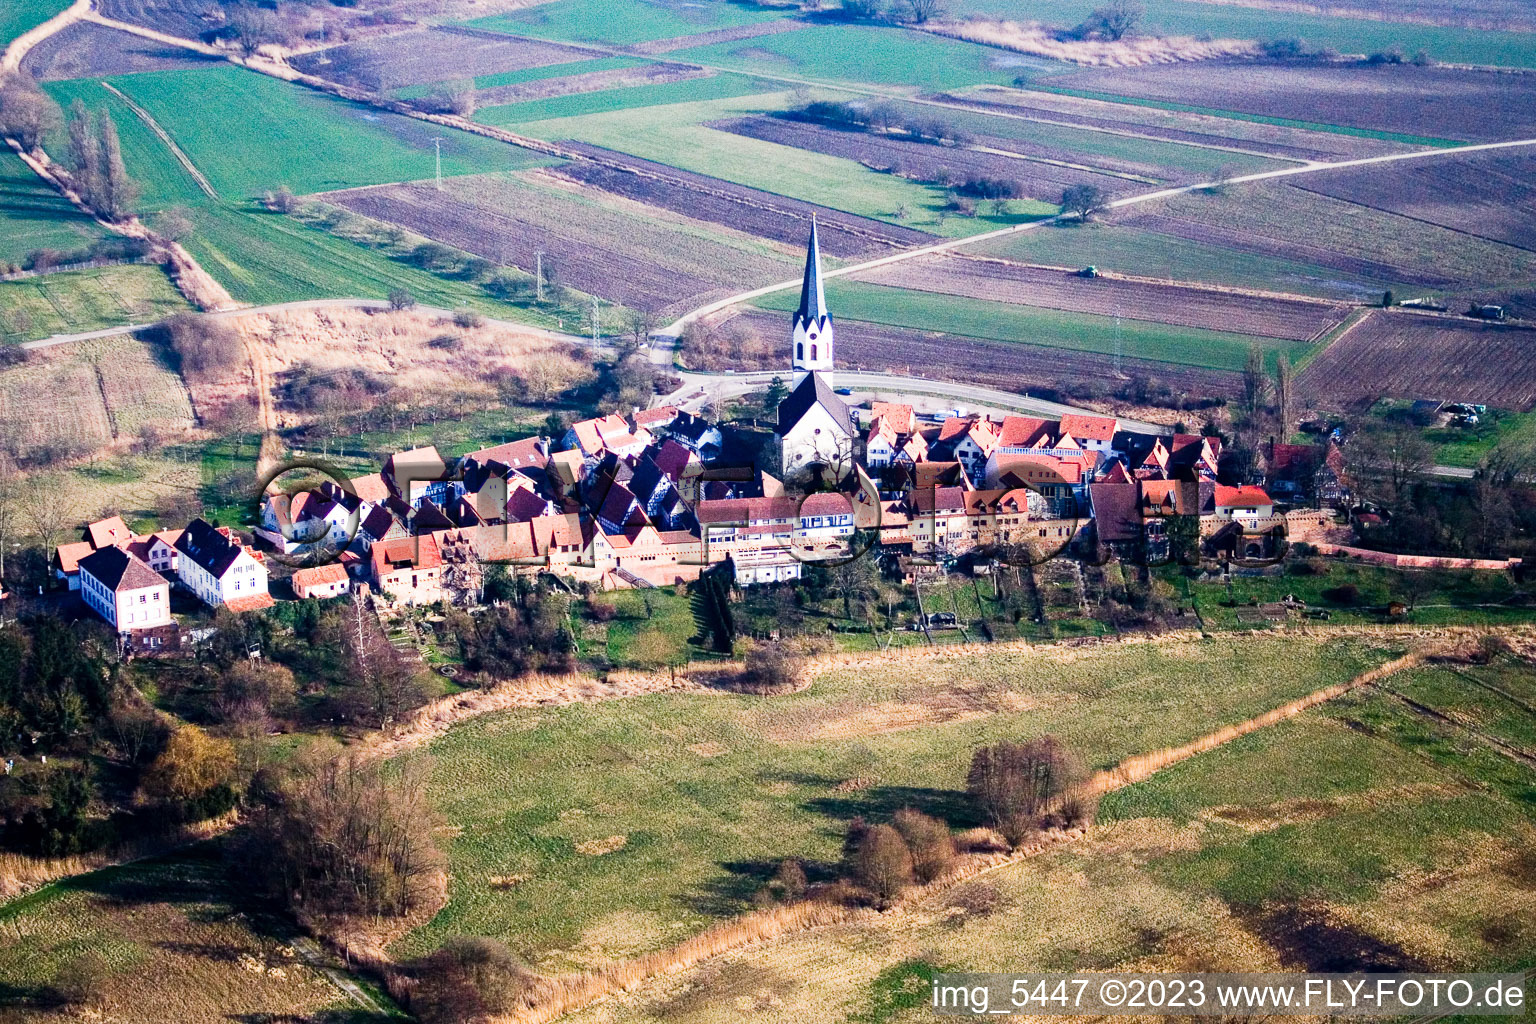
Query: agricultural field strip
947, 245
170, 143
17, 49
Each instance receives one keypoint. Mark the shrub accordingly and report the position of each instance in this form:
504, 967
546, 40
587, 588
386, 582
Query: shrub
210, 350
467, 979
882, 863
602, 611
192, 764
771, 667
933, 848
468, 319
280, 200
1347, 595
1015, 784
447, 342
400, 299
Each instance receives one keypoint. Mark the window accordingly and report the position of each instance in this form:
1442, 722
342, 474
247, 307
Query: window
800, 350
813, 353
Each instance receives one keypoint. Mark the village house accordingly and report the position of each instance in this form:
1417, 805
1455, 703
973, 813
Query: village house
308, 519
408, 570
612, 433
219, 570
418, 475
321, 581
124, 590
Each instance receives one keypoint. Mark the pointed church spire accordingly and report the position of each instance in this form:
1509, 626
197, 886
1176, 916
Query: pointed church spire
813, 300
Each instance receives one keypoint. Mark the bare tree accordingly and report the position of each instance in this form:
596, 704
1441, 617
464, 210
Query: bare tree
1285, 395
1385, 460
924, 10
383, 687
1114, 21
118, 193
26, 112
10, 506
882, 862
1253, 379
854, 579
44, 513
1083, 200
1017, 783
84, 151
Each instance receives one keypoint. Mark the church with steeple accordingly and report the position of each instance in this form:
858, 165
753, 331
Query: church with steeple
815, 426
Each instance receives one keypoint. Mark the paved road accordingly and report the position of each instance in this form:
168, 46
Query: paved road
701, 389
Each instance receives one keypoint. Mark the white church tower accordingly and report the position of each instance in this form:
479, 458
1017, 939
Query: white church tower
811, 340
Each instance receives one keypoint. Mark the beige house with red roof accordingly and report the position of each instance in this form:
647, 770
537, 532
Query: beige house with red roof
408, 569
321, 581
124, 590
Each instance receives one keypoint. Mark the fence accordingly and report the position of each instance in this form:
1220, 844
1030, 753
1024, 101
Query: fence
60, 268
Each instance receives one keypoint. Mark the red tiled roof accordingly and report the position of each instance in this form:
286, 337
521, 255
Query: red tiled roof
251, 603
108, 532
417, 552
527, 451
69, 555
319, 575
1089, 428
726, 510
1232, 497
1021, 431
826, 504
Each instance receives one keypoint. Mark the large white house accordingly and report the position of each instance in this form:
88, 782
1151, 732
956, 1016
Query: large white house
815, 426
215, 566
124, 590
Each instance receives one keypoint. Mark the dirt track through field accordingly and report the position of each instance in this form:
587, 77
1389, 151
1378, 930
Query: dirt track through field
164, 137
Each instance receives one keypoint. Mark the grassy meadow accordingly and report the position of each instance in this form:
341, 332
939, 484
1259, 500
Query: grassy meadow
207, 955
696, 796
33, 216
631, 97
1032, 325
534, 74
1357, 827
77, 301
621, 22
20, 16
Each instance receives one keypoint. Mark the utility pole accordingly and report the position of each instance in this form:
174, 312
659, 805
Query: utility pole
596, 323
538, 276
437, 144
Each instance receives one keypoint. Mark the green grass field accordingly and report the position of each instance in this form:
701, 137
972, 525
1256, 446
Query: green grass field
676, 135
76, 301
33, 216
866, 54
689, 90
1003, 321
708, 789
1131, 250
1497, 700
1446, 598
1469, 446
620, 22
575, 67
1347, 35
20, 16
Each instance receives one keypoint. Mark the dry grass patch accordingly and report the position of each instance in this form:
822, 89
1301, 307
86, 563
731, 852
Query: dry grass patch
709, 749
852, 718
599, 847
1037, 39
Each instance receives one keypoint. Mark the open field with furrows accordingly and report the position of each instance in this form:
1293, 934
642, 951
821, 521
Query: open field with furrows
926, 162
155, 941
1001, 281
309, 141
1444, 103
719, 35
1512, 15
1403, 355
89, 393
86, 50
34, 216
187, 18
672, 810
1181, 126
676, 135
431, 55
663, 263
76, 301
1274, 219
1353, 836
754, 211
623, 22
521, 75
1008, 365
1129, 250
1033, 325
1172, 160
1343, 34
1490, 195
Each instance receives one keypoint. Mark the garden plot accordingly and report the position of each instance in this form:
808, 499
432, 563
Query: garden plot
1491, 195
189, 19
1434, 102
432, 55
1002, 281
1407, 355
665, 265
924, 161
87, 50
1008, 366
746, 209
